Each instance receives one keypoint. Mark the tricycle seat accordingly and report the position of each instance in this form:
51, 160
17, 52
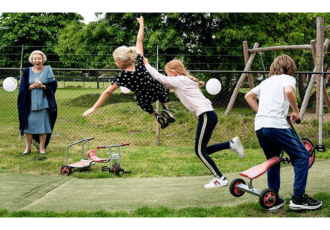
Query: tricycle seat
260, 169
92, 155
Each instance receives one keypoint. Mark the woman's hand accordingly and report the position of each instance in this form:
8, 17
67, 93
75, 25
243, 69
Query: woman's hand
38, 84
89, 111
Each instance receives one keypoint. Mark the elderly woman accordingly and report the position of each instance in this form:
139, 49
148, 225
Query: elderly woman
37, 109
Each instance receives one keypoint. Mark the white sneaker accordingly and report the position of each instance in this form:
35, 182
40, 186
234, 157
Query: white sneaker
216, 183
235, 145
279, 203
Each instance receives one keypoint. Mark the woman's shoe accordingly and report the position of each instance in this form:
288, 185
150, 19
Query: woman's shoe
23, 154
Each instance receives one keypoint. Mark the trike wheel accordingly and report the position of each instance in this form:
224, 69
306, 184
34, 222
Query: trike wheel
66, 170
310, 148
116, 169
233, 188
267, 198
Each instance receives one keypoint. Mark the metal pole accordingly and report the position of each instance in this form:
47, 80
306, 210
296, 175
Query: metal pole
321, 106
157, 108
21, 66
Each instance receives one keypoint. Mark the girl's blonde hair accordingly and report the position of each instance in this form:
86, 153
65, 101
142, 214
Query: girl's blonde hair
178, 67
283, 64
125, 54
44, 58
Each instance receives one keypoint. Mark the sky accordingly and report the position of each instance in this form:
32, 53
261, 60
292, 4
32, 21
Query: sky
87, 8
89, 16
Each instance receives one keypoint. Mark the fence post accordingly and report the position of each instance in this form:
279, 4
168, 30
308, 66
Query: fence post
157, 107
97, 81
21, 66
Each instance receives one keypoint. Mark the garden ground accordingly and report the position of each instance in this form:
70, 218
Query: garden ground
60, 193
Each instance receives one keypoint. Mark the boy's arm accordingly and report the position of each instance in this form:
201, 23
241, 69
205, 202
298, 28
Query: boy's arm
291, 96
139, 40
250, 98
104, 96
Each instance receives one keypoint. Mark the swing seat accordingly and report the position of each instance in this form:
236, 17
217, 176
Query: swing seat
260, 169
92, 155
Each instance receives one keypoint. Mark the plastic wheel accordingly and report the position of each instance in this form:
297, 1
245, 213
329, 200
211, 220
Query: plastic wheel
66, 170
267, 198
116, 169
233, 188
310, 148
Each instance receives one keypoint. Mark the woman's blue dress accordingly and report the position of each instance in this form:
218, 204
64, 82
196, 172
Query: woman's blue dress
38, 120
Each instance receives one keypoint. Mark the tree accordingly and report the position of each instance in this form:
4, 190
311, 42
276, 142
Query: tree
210, 41
33, 31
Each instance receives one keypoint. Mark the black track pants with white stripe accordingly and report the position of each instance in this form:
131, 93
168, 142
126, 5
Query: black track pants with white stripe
206, 124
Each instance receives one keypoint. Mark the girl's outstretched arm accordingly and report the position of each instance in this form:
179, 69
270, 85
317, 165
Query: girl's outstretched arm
104, 96
168, 82
139, 40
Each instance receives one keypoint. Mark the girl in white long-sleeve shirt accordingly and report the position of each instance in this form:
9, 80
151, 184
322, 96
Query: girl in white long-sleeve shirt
186, 88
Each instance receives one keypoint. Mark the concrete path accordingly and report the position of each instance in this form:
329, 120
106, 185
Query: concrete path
60, 193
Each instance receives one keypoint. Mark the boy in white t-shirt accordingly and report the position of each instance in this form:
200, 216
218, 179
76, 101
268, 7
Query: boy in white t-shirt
275, 95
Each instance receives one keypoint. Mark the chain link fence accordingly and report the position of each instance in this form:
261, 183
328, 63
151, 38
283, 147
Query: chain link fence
121, 120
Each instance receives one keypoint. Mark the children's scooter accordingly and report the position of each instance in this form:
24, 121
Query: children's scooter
114, 158
267, 197
82, 164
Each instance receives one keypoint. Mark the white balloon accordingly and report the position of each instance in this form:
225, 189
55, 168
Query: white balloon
9, 84
124, 89
213, 86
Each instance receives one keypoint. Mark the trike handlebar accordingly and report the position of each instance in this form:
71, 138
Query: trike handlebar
297, 121
110, 146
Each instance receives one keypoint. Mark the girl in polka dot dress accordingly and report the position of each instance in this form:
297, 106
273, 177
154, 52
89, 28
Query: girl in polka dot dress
136, 78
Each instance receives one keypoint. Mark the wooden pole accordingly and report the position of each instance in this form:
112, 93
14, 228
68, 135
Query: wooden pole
313, 48
246, 59
312, 80
240, 81
291, 47
319, 68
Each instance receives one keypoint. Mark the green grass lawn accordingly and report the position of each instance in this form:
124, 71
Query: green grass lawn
120, 120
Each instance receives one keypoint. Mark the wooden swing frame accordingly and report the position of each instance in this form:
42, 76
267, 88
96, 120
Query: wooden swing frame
318, 51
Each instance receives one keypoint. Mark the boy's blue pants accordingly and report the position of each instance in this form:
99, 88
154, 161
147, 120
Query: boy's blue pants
272, 140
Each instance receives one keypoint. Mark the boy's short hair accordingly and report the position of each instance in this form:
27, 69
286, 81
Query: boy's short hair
283, 64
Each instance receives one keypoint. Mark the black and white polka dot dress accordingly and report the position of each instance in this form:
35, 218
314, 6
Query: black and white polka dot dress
146, 89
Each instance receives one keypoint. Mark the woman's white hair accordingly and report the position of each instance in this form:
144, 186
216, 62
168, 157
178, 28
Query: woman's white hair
44, 58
